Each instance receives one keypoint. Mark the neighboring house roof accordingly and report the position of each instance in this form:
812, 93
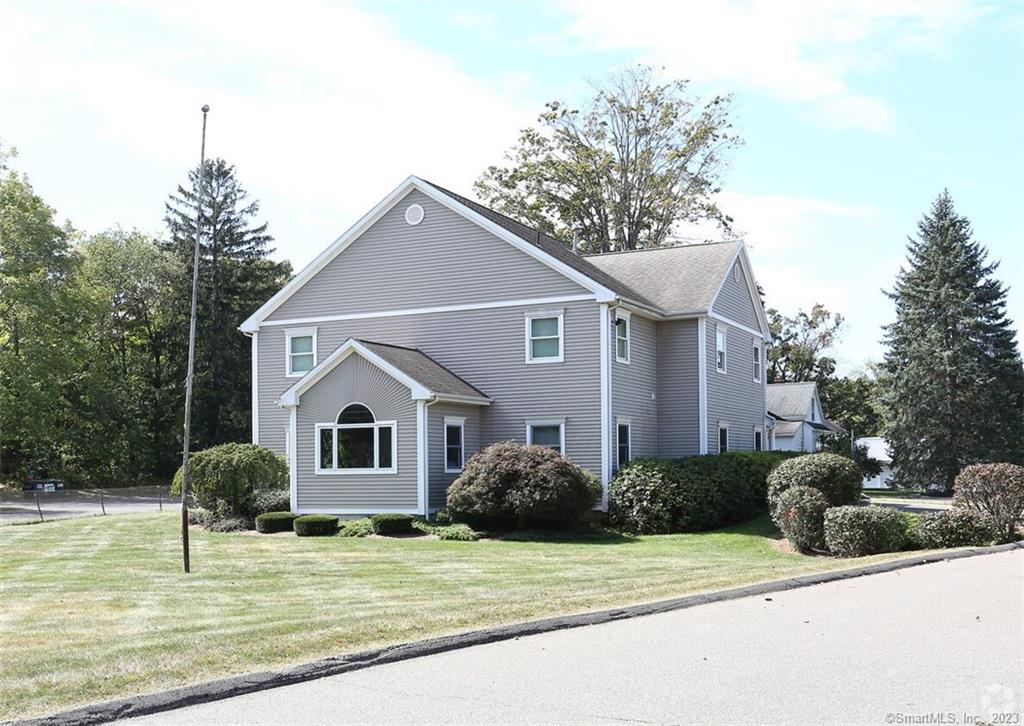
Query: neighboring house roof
793, 403
678, 280
425, 377
787, 428
667, 281
878, 448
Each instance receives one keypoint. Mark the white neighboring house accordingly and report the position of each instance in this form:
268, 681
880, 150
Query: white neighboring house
799, 422
878, 449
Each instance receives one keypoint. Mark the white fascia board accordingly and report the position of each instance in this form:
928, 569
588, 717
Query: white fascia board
292, 395
252, 323
735, 324
452, 398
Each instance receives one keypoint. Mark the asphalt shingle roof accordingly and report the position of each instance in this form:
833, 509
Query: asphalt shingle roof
790, 400
424, 370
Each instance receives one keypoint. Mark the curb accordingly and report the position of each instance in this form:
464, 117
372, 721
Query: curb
239, 685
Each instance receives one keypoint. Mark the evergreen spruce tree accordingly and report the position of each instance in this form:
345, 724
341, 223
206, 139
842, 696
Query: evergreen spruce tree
236, 276
955, 384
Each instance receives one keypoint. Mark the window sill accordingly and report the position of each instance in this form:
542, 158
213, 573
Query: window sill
452, 471
354, 472
539, 361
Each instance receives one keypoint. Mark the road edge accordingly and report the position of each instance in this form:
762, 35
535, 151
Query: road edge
231, 686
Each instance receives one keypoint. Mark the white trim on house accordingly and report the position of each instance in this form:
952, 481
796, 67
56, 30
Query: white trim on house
724, 367
437, 309
255, 376
606, 406
460, 423
383, 207
422, 457
529, 316
308, 332
291, 446
356, 510
702, 382
729, 321
623, 315
553, 421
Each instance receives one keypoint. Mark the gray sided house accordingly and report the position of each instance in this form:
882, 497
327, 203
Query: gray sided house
435, 326
798, 421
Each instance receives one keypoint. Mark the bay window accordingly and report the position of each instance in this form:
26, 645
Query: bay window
356, 443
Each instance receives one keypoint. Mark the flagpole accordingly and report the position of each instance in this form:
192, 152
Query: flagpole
192, 348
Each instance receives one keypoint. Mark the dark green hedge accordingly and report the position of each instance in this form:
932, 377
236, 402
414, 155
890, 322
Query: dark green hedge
229, 479
852, 531
837, 477
388, 523
271, 522
693, 494
315, 525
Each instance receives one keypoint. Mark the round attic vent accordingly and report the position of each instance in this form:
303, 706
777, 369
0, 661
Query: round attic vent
414, 214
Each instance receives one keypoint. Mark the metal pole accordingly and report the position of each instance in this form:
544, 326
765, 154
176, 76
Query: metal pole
160, 496
102, 505
192, 348
39, 508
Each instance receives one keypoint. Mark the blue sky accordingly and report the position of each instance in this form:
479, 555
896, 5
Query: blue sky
854, 115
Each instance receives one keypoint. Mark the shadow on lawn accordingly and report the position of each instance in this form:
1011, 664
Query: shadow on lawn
594, 535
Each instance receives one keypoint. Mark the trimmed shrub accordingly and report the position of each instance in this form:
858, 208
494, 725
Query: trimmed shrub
995, 491
853, 531
451, 532
753, 468
228, 524
389, 523
800, 512
361, 527
643, 497
837, 477
511, 485
953, 528
315, 525
270, 500
443, 517
226, 478
271, 522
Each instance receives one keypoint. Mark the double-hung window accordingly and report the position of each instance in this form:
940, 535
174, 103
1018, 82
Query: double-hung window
623, 436
356, 443
550, 433
300, 351
622, 337
757, 362
454, 444
723, 437
720, 349
544, 342
758, 438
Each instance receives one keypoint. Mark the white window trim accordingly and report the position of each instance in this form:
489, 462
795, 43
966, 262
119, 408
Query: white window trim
759, 430
627, 422
759, 368
459, 421
622, 315
723, 426
725, 348
393, 425
537, 314
297, 333
559, 422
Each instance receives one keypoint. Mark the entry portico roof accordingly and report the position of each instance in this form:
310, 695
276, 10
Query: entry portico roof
426, 378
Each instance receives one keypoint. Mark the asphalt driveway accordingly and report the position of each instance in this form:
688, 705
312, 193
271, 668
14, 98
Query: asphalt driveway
21, 506
939, 643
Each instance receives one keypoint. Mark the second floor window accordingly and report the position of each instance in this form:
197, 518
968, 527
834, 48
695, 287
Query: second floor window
622, 339
300, 351
720, 349
544, 338
757, 363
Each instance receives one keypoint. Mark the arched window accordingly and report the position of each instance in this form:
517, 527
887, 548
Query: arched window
356, 443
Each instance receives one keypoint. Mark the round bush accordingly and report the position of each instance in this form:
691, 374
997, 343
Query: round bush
389, 523
226, 478
995, 491
511, 485
853, 531
642, 497
953, 528
800, 512
271, 522
837, 477
315, 525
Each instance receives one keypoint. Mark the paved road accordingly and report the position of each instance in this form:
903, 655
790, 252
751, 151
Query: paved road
890, 648
21, 506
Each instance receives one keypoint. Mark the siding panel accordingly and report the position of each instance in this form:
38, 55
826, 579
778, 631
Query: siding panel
444, 260
734, 397
355, 379
678, 389
634, 388
734, 300
439, 480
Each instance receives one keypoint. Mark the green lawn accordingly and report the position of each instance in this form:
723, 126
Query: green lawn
96, 608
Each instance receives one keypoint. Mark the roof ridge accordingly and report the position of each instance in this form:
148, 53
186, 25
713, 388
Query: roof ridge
794, 383
663, 248
389, 345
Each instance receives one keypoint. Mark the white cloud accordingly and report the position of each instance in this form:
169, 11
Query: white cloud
799, 52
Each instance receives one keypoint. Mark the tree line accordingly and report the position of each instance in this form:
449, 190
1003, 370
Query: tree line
93, 332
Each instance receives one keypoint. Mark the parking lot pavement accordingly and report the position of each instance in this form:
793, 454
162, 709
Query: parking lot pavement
21, 506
